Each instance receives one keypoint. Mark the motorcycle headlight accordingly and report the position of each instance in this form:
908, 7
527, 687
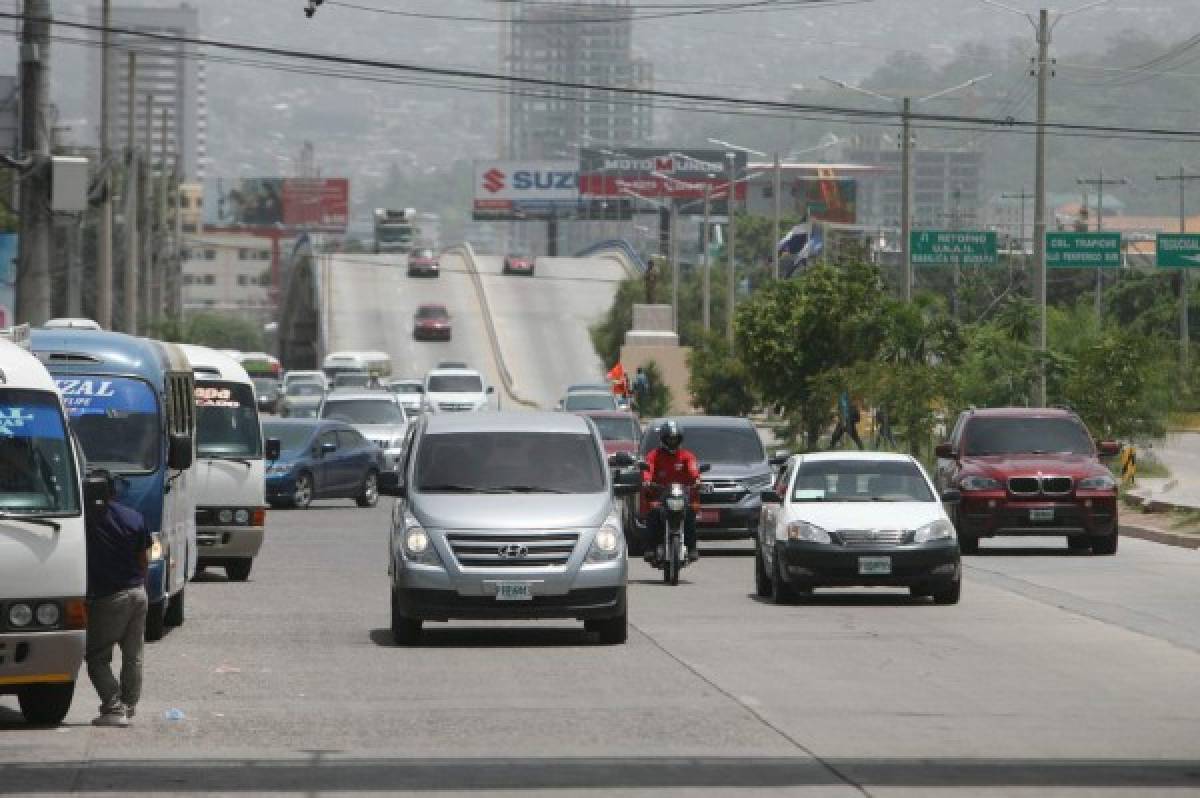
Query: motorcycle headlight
20, 615
810, 533
1099, 482
417, 546
975, 482
940, 529
156, 549
606, 546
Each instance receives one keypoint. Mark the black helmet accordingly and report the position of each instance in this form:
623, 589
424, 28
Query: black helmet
670, 436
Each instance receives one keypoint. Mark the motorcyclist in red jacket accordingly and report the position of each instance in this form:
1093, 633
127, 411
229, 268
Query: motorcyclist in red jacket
666, 465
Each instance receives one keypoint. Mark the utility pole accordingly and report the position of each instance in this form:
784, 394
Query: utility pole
778, 209
731, 203
906, 195
1183, 178
104, 264
132, 249
1100, 182
33, 268
1039, 202
704, 255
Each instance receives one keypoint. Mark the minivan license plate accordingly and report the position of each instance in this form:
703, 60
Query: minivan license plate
874, 566
1041, 514
513, 591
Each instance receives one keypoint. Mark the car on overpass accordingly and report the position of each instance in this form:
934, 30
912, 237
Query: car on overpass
1029, 471
845, 519
505, 516
321, 459
423, 263
379, 416
432, 322
519, 264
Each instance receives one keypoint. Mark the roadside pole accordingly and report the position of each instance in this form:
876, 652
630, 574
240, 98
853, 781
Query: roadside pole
33, 303
1183, 178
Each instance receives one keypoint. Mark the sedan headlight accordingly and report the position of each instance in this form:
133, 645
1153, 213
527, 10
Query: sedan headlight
278, 470
156, 549
1099, 482
606, 546
20, 615
975, 482
417, 546
940, 529
809, 533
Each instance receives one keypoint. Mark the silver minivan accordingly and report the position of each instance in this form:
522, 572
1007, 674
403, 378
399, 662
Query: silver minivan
507, 516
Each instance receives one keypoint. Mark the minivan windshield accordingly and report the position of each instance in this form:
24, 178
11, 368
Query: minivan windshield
998, 436
116, 420
455, 383
37, 472
732, 444
227, 420
364, 411
860, 481
509, 462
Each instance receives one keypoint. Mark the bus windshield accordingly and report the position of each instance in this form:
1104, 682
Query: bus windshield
37, 472
116, 420
226, 420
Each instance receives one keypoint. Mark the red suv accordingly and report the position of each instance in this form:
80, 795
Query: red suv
1028, 471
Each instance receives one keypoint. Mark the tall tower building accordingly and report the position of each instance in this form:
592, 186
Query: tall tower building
589, 43
172, 72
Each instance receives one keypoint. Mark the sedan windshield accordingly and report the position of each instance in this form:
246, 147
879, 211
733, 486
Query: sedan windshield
455, 383
226, 420
509, 462
364, 411
292, 437
37, 472
589, 401
616, 429
116, 420
860, 481
992, 436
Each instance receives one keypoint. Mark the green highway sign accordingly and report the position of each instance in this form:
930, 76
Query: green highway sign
1178, 251
1083, 250
952, 248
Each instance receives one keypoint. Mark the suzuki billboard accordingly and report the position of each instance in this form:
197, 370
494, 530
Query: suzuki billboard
515, 190
659, 173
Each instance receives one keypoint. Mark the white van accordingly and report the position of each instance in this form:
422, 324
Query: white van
231, 504
43, 547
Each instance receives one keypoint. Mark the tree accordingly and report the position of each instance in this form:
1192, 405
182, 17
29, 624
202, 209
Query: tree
719, 382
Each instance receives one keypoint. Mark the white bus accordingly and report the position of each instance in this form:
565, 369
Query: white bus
231, 505
43, 546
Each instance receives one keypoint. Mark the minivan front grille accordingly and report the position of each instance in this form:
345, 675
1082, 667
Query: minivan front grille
512, 549
872, 537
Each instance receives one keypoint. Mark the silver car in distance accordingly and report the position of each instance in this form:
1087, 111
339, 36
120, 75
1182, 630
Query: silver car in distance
506, 516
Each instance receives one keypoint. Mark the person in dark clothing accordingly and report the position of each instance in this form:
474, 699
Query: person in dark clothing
847, 424
118, 546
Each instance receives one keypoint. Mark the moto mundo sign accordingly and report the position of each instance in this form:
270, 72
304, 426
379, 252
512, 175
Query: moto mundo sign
514, 190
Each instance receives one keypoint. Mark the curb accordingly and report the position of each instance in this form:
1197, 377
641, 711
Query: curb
1159, 536
489, 323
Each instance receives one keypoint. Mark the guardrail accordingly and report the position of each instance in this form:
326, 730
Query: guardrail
506, 379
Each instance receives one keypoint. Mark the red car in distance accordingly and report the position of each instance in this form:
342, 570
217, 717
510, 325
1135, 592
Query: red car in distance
518, 264
423, 263
431, 323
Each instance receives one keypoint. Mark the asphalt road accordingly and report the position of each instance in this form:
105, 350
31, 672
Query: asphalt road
1057, 674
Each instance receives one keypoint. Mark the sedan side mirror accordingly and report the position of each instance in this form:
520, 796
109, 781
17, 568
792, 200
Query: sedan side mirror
944, 451
770, 497
273, 448
951, 496
622, 460
180, 451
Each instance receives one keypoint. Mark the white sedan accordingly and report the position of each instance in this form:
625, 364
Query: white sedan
842, 519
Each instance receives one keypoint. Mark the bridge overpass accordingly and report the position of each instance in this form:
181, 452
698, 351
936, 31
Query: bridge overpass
529, 336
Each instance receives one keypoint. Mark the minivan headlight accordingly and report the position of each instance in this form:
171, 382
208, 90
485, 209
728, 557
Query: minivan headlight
940, 529
417, 546
810, 533
606, 546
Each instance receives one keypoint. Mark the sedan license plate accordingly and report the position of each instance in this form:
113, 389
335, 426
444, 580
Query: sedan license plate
1041, 514
709, 516
874, 566
514, 591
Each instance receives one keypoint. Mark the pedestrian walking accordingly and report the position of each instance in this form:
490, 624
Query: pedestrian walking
847, 423
118, 548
